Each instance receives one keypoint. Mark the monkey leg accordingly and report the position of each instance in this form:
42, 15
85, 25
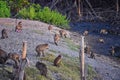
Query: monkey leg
38, 54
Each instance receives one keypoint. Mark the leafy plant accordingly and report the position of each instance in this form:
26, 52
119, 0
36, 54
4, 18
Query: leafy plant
4, 9
35, 11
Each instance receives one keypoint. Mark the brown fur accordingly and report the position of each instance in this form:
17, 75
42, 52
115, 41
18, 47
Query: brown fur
56, 39
19, 26
63, 33
85, 33
42, 68
49, 27
57, 60
41, 48
4, 34
15, 57
87, 49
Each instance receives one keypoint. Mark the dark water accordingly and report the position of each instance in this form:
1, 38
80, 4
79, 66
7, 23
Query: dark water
94, 35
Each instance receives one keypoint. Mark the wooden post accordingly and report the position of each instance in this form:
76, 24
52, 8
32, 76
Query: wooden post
24, 50
82, 59
23, 61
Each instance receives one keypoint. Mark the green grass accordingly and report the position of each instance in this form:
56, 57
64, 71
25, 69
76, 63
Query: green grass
71, 44
69, 69
91, 73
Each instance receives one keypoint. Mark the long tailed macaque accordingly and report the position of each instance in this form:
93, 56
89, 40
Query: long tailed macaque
15, 57
57, 60
4, 34
56, 39
3, 56
103, 31
85, 33
41, 48
18, 27
101, 40
50, 27
63, 33
42, 68
92, 55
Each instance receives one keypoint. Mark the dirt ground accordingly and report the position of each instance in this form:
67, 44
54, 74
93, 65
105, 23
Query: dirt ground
35, 32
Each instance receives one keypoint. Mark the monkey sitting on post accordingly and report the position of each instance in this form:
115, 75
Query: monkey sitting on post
57, 60
41, 48
42, 68
4, 34
18, 28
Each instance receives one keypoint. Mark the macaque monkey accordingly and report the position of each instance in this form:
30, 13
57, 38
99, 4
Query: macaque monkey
63, 33
4, 34
112, 51
41, 48
115, 49
92, 55
3, 56
42, 68
87, 49
57, 60
18, 28
50, 27
15, 57
103, 31
56, 39
101, 40
85, 33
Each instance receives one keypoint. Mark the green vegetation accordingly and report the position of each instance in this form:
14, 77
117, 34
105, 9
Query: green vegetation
91, 73
23, 9
4, 9
35, 11
34, 74
69, 69
71, 44
16, 5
